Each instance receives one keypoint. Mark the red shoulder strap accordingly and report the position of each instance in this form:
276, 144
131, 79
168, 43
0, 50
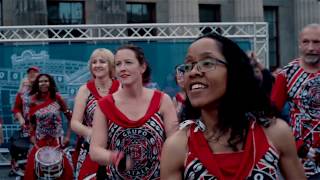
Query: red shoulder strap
180, 98
35, 107
199, 146
255, 148
92, 88
113, 114
114, 87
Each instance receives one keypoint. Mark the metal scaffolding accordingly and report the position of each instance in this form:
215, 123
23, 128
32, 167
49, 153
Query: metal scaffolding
255, 32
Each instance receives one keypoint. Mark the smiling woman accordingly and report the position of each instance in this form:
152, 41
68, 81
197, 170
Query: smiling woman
233, 123
46, 105
101, 66
130, 126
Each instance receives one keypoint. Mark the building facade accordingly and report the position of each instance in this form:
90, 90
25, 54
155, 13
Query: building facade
285, 17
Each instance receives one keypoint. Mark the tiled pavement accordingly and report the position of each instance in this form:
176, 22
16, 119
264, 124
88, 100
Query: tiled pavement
4, 174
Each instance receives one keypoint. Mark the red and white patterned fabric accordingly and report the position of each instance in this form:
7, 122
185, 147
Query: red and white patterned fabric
21, 105
141, 140
302, 90
47, 119
258, 160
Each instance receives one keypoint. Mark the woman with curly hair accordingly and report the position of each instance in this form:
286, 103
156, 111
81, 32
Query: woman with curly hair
46, 105
234, 133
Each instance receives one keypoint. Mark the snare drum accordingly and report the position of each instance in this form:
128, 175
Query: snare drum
48, 163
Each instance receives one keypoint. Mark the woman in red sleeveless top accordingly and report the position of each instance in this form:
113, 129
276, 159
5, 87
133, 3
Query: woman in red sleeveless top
130, 126
234, 133
101, 65
46, 106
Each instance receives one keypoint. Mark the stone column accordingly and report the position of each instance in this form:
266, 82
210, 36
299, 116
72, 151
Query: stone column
25, 12
306, 12
248, 10
251, 11
111, 12
183, 11
162, 14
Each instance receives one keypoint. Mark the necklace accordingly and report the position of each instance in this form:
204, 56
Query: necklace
102, 90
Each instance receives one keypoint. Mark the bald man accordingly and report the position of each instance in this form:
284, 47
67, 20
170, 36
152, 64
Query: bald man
299, 85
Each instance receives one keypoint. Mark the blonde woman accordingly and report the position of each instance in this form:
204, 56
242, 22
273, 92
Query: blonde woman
101, 65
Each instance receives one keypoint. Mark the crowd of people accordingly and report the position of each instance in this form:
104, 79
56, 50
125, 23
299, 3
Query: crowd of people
224, 123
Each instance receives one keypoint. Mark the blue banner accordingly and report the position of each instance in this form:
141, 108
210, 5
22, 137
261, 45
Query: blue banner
67, 62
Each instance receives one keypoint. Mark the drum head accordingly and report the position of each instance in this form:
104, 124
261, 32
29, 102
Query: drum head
48, 156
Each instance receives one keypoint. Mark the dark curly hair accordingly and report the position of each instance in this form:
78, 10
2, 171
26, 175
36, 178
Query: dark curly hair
243, 96
52, 86
138, 51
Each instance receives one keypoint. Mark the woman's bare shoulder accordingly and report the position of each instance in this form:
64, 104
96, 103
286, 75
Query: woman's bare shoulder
83, 90
279, 132
278, 126
177, 142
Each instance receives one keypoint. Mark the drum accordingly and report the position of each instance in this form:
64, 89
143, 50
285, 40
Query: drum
48, 163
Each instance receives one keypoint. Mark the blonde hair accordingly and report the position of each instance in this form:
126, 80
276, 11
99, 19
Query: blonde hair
110, 60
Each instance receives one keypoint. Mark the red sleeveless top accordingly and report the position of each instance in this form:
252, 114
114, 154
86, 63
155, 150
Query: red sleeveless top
258, 160
141, 140
93, 97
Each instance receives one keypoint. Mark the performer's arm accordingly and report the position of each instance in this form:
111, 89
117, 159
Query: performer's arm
282, 138
173, 156
68, 113
169, 113
78, 113
64, 107
17, 109
98, 151
279, 92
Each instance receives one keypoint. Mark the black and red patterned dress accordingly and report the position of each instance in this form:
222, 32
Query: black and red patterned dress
302, 90
141, 140
258, 159
85, 166
46, 117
